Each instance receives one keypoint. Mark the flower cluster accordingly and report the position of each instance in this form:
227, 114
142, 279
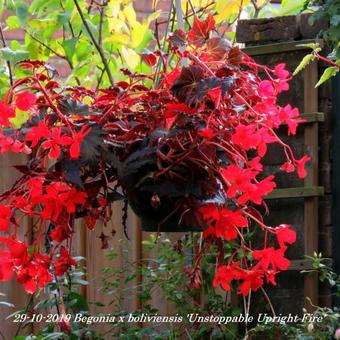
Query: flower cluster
184, 144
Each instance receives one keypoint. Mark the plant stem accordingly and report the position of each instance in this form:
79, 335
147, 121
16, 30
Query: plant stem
25, 312
269, 302
7, 61
95, 43
179, 14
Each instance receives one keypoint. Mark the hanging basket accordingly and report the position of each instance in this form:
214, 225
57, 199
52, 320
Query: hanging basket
170, 214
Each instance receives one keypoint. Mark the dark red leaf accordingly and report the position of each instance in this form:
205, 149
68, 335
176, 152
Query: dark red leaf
149, 59
200, 30
217, 49
234, 56
177, 39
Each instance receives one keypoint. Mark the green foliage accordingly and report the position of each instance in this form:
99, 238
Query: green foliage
60, 292
329, 10
308, 329
326, 274
94, 41
163, 271
327, 74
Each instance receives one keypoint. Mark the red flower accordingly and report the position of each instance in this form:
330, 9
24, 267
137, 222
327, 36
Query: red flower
210, 212
6, 112
290, 116
60, 233
223, 222
253, 280
280, 71
54, 144
281, 85
25, 100
35, 273
36, 133
288, 167
226, 274
246, 136
270, 257
265, 89
5, 216
228, 222
72, 198
64, 262
35, 186
270, 276
6, 266
18, 251
53, 201
300, 164
255, 192
7, 143
77, 140
285, 235
237, 177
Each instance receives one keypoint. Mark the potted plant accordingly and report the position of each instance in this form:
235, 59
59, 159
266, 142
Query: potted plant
183, 146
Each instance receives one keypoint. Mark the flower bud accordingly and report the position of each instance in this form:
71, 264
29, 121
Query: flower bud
337, 334
310, 327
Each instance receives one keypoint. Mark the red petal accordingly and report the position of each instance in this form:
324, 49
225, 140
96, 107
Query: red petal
25, 100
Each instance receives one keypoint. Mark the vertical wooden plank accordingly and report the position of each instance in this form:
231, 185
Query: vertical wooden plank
135, 234
14, 292
96, 260
311, 217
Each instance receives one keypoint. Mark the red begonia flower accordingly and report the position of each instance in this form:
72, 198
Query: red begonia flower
285, 235
64, 262
5, 216
300, 164
6, 111
25, 100
280, 71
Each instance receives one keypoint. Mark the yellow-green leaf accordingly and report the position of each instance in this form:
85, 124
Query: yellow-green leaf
130, 15
226, 9
304, 62
20, 118
327, 74
131, 58
137, 34
153, 16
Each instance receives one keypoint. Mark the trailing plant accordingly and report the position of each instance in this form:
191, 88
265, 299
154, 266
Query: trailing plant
182, 146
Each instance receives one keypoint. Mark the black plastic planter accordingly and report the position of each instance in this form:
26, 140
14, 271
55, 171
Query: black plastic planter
168, 216
163, 218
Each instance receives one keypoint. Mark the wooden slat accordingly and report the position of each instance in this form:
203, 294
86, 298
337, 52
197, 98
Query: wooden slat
312, 191
312, 117
14, 292
311, 211
305, 264
280, 47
